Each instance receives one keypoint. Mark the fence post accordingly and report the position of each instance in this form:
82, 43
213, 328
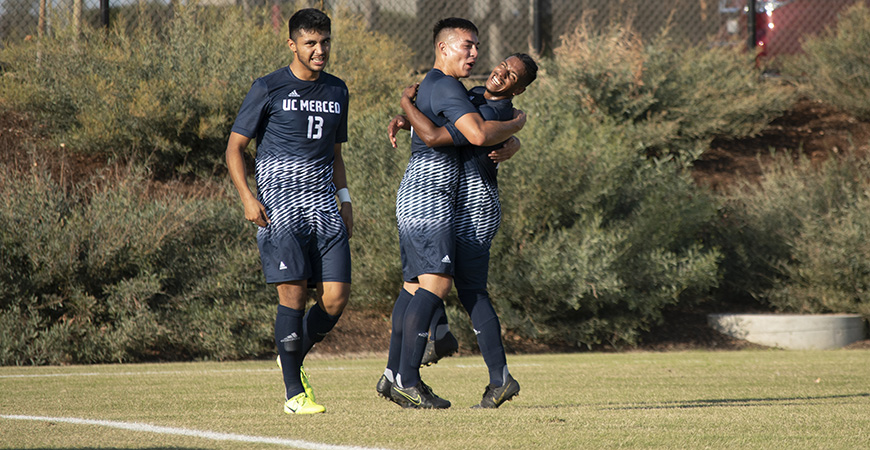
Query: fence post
750, 19
536, 25
104, 13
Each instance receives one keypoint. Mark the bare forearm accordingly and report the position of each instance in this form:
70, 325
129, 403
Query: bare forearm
236, 165
431, 135
484, 133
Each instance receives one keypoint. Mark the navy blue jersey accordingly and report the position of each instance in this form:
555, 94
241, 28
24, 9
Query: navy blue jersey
425, 201
478, 212
296, 124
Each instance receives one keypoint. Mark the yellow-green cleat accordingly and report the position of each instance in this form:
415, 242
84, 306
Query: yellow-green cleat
304, 376
305, 384
301, 404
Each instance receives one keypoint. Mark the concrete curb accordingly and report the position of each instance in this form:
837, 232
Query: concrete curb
792, 331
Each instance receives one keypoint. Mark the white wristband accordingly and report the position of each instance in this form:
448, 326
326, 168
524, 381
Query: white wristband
343, 195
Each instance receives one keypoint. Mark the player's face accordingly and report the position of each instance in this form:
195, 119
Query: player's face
311, 52
506, 79
460, 52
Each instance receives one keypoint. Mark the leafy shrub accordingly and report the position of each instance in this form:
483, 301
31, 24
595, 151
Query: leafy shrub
603, 228
167, 99
808, 235
677, 97
116, 274
596, 240
835, 66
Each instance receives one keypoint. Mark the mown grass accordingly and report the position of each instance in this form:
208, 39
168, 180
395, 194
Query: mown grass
746, 399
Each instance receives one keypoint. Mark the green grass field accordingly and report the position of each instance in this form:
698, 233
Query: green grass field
743, 399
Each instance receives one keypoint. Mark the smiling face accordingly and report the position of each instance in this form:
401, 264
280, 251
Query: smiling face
311, 53
458, 52
507, 79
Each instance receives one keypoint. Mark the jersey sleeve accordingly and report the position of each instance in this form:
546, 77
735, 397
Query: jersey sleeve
450, 99
252, 109
341, 133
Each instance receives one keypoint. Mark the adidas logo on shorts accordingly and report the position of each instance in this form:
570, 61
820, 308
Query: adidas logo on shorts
282, 266
446, 259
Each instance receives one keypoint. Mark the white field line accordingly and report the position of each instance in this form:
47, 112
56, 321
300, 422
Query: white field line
144, 427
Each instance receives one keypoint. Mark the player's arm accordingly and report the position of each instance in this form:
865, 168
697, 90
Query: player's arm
339, 179
485, 133
235, 155
431, 135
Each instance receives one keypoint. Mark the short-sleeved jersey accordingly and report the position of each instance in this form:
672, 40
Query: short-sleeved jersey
443, 100
478, 212
425, 201
296, 124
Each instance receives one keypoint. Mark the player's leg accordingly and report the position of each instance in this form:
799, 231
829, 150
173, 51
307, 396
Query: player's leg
385, 383
330, 272
320, 319
426, 300
409, 389
288, 338
502, 386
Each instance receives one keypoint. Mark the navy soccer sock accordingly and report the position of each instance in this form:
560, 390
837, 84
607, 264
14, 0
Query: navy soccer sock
316, 325
415, 334
488, 330
288, 339
398, 321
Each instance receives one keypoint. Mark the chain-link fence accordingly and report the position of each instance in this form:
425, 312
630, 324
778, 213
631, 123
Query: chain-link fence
506, 26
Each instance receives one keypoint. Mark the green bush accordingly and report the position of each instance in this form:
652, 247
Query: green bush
835, 66
677, 97
117, 274
164, 98
806, 230
603, 228
597, 240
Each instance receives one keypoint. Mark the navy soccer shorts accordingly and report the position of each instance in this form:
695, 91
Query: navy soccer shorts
426, 246
304, 244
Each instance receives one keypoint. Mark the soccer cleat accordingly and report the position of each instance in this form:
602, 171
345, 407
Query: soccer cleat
493, 397
418, 397
301, 404
303, 375
309, 391
384, 386
441, 348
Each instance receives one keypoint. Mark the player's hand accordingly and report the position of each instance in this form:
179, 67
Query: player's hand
255, 212
346, 211
410, 92
509, 149
520, 116
399, 122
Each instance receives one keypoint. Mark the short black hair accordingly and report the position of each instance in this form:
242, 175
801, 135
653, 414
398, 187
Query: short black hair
309, 19
530, 65
455, 23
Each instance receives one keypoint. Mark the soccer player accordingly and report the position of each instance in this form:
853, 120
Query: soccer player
425, 209
478, 212
298, 115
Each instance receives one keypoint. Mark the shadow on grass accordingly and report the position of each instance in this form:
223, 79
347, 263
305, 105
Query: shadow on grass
731, 402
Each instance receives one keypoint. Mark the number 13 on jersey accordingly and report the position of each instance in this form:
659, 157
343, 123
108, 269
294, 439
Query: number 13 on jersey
315, 127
